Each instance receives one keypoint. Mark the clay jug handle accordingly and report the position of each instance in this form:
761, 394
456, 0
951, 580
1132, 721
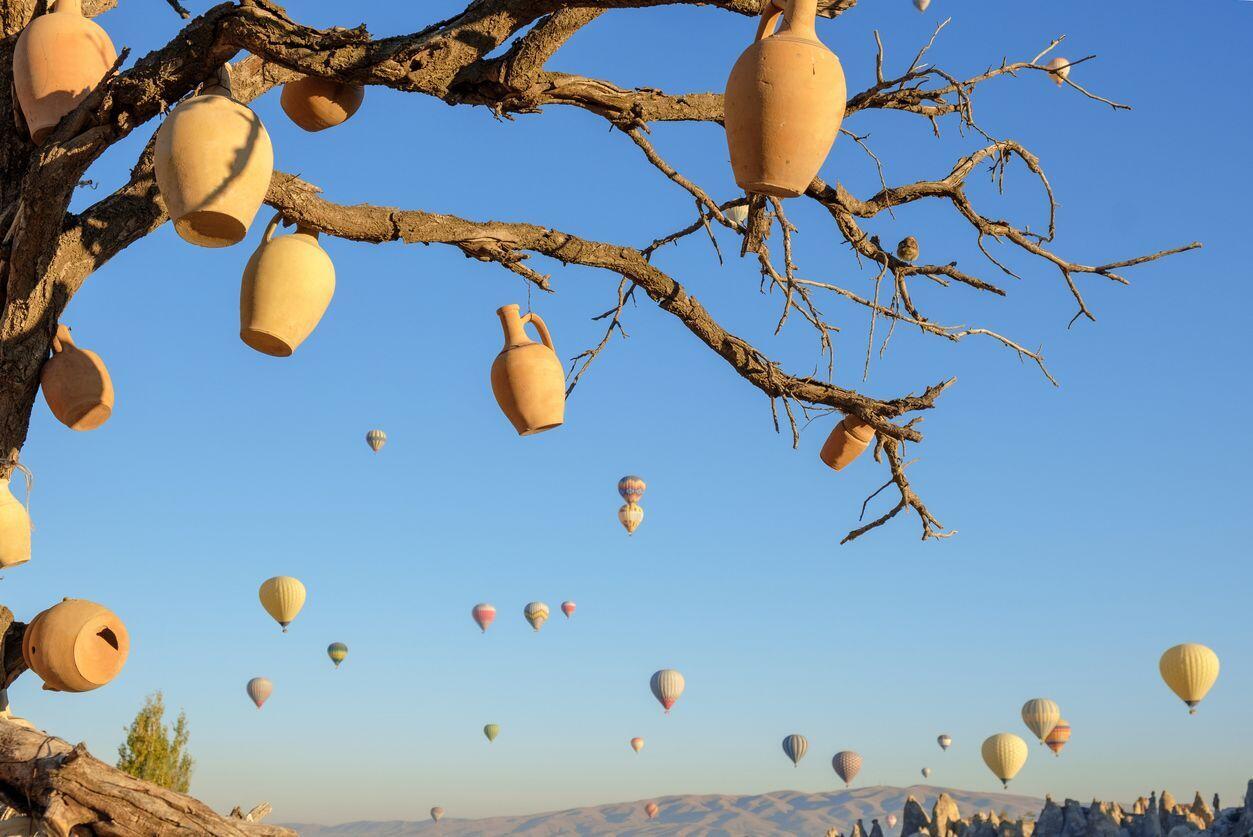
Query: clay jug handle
62, 339
538, 322
268, 235
770, 11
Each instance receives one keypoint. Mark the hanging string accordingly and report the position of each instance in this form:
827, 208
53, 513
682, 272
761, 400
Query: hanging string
30, 481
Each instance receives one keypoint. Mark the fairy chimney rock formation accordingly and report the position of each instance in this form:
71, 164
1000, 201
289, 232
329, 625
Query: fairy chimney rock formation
859, 830
1102, 820
875, 829
944, 814
1049, 823
913, 819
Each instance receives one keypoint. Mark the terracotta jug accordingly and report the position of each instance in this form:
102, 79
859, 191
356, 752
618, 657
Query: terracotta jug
76, 384
784, 103
59, 59
287, 286
76, 646
214, 161
14, 525
316, 104
846, 442
527, 378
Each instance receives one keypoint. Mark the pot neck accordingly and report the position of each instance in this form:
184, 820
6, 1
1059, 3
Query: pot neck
67, 7
220, 85
800, 16
514, 327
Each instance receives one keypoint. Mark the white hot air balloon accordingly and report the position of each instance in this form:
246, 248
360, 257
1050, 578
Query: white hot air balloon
667, 686
945, 741
630, 516
921, 5
259, 690
926, 773
1041, 715
1004, 754
737, 214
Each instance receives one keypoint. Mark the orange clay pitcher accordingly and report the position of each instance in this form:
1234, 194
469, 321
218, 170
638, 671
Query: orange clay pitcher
846, 442
76, 646
784, 103
527, 378
76, 384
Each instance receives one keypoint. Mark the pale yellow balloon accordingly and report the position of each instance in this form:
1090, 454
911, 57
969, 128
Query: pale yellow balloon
1041, 715
282, 597
1189, 670
1004, 754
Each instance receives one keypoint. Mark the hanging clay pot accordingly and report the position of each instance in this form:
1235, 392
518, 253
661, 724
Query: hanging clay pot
846, 442
14, 525
287, 286
76, 384
316, 104
76, 646
784, 103
527, 378
59, 59
214, 161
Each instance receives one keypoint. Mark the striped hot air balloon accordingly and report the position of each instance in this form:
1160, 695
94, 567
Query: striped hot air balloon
631, 516
795, 747
536, 613
945, 741
631, 488
637, 744
667, 686
1058, 737
568, 609
1004, 754
483, 614
259, 689
847, 765
1041, 715
491, 731
376, 439
437, 813
651, 810
1190, 670
282, 597
337, 651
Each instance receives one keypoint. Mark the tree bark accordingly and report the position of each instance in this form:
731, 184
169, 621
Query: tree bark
69, 791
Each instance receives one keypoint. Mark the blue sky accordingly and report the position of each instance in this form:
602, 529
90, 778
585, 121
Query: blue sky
1099, 523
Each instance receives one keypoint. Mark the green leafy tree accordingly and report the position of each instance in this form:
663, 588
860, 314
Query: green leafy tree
152, 753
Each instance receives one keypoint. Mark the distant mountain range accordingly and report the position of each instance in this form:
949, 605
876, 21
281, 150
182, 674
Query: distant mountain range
779, 813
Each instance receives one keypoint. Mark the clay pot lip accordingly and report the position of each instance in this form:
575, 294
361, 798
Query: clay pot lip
773, 190
183, 226
286, 350
538, 430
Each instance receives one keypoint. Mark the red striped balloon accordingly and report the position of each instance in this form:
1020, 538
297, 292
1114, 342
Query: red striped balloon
483, 614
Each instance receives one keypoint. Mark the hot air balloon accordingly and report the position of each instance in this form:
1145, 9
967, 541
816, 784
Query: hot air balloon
794, 747
282, 597
847, 765
667, 686
491, 731
437, 813
376, 439
1190, 671
483, 614
926, 773
631, 488
921, 5
651, 809
631, 516
945, 741
1041, 715
738, 214
568, 609
637, 744
259, 689
337, 651
1059, 70
1004, 754
1058, 737
536, 613
891, 820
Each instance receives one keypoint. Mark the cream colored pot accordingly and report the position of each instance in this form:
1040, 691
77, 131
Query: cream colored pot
527, 378
288, 284
214, 162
